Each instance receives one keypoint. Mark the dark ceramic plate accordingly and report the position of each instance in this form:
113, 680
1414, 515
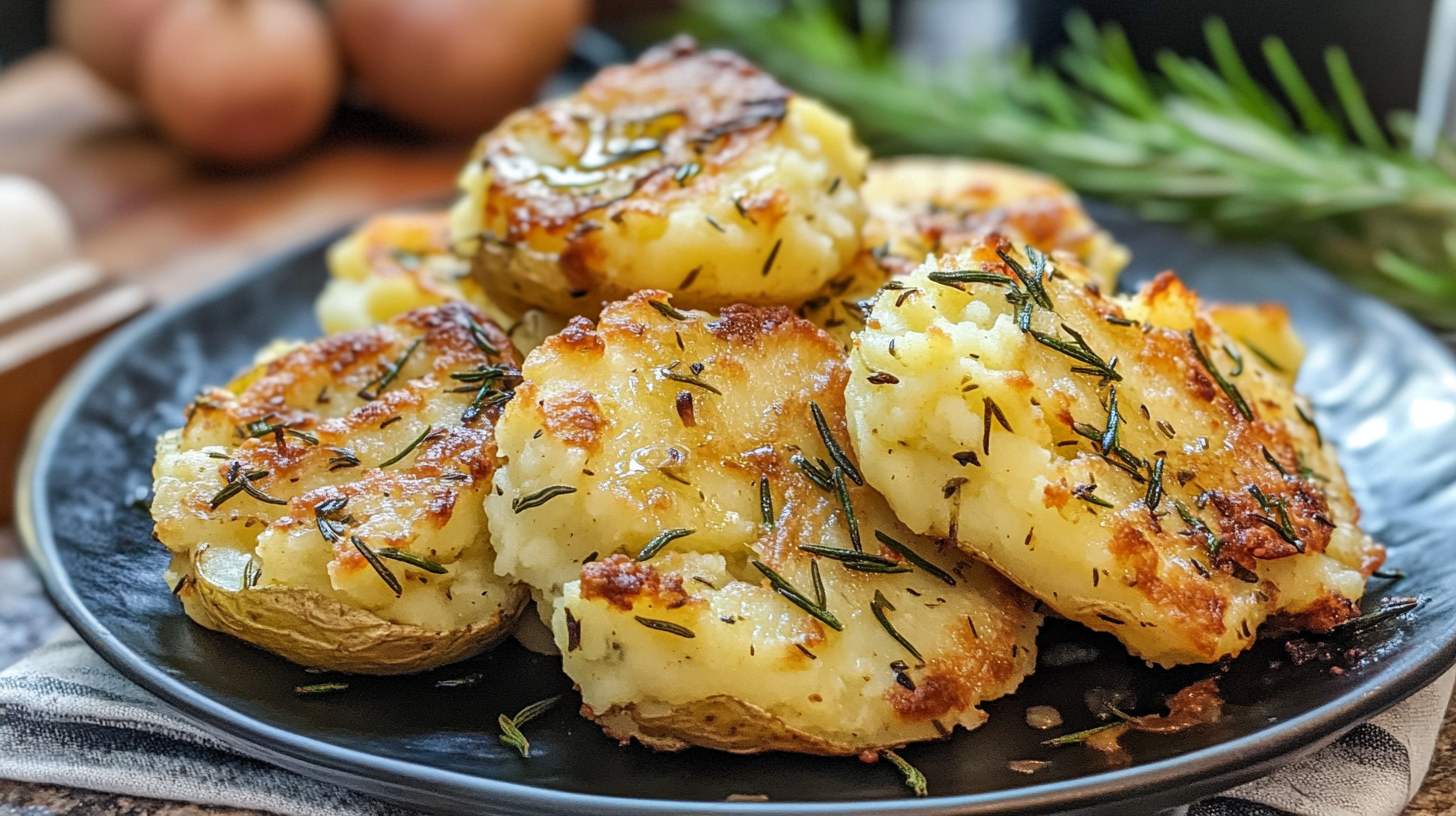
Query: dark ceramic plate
1385, 390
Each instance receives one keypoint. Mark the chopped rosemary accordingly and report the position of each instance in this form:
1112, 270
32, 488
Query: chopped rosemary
914, 558
1079, 351
689, 379
466, 681
878, 607
1081, 736
665, 626
343, 458
251, 573
773, 255
850, 519
1389, 608
1238, 359
765, 501
1268, 361
856, 560
484, 398
1086, 493
1196, 524
391, 373
1229, 389
243, 483
1269, 457
1114, 421
320, 688
426, 564
1155, 484
686, 172
661, 540
990, 409
1033, 280
408, 448
540, 497
835, 451
1309, 420
1390, 574
478, 337
666, 310
784, 588
373, 559
956, 276
324, 513
511, 726
818, 474
914, 779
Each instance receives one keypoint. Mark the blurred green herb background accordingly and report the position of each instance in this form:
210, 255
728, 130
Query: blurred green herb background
1191, 143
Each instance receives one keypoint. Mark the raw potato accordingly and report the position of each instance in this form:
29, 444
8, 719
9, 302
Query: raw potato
687, 171
920, 206
600, 414
312, 434
1029, 491
401, 261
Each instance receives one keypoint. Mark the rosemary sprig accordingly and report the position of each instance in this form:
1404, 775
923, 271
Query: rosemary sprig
479, 338
243, 483
1196, 524
914, 779
878, 606
407, 557
661, 540
391, 373
1197, 144
665, 626
797, 598
540, 497
1229, 389
510, 727
1389, 608
324, 514
835, 451
1081, 736
914, 558
373, 559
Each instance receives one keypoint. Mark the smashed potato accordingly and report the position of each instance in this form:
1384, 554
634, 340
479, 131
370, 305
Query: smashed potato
690, 171
328, 505
400, 261
1122, 458
920, 206
671, 498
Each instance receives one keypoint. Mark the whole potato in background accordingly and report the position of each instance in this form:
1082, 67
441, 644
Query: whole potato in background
240, 81
106, 35
455, 67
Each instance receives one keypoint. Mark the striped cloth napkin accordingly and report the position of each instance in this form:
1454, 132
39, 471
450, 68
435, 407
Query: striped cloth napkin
67, 718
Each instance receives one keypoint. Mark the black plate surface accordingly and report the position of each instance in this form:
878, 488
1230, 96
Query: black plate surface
1385, 389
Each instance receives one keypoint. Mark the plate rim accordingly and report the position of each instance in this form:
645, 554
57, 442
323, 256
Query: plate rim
1193, 775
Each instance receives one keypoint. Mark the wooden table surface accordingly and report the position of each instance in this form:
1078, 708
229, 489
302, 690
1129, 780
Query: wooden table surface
148, 215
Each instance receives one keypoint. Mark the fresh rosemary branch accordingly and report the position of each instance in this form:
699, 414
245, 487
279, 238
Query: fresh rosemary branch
1189, 143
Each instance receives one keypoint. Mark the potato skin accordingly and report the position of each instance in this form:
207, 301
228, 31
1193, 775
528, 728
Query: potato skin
600, 413
1081, 530
333, 452
689, 171
399, 261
